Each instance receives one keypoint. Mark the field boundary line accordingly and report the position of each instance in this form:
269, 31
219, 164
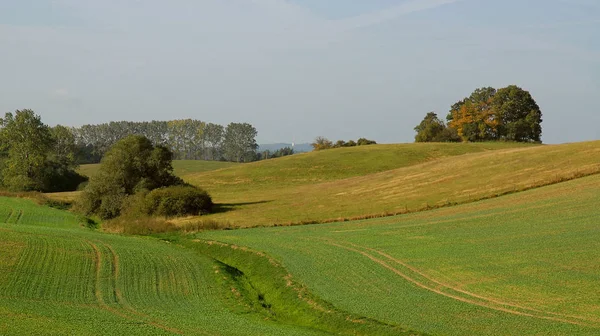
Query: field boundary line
453, 296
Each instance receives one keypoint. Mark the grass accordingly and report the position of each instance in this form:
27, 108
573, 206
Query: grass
521, 264
268, 193
58, 277
524, 263
180, 167
331, 165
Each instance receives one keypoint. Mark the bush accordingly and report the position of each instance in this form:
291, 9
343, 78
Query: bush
131, 166
177, 201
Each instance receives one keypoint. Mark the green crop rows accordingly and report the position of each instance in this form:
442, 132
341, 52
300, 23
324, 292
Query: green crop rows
59, 278
525, 264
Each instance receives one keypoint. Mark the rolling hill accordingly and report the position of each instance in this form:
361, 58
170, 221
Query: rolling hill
58, 277
353, 183
523, 264
180, 167
504, 249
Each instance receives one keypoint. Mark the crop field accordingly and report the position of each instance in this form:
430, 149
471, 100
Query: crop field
285, 191
522, 264
57, 277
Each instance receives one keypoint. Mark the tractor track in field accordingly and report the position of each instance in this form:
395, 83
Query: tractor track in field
19, 216
471, 298
9, 216
117, 292
454, 288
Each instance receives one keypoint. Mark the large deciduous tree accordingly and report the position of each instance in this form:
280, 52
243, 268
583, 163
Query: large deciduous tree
239, 144
213, 141
27, 143
519, 115
430, 128
509, 114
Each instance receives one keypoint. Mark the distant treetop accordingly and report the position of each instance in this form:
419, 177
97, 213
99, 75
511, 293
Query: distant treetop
506, 114
324, 143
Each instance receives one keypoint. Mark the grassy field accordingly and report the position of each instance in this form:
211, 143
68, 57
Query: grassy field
333, 164
57, 277
228, 181
180, 167
268, 193
523, 264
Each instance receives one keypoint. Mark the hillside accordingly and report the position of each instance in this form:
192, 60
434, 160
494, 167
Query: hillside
349, 183
523, 264
59, 278
333, 164
180, 167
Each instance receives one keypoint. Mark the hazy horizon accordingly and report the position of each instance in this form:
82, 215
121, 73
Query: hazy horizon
299, 69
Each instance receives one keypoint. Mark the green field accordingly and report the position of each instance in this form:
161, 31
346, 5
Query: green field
522, 261
57, 277
524, 264
350, 183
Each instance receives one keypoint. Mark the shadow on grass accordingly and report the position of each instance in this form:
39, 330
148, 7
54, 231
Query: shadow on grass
227, 207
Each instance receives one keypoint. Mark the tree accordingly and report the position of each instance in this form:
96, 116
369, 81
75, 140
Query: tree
213, 140
475, 121
239, 144
519, 115
339, 144
132, 165
430, 128
37, 157
64, 146
365, 142
321, 143
479, 96
285, 151
509, 113
27, 143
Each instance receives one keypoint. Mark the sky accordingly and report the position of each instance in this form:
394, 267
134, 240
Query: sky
297, 69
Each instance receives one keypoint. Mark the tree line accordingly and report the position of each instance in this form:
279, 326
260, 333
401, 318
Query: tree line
188, 139
488, 114
36, 157
322, 143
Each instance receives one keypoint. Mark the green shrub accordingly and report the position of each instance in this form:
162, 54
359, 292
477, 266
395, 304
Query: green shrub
177, 201
131, 166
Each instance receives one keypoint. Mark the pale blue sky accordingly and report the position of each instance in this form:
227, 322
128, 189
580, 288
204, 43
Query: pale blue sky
299, 68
